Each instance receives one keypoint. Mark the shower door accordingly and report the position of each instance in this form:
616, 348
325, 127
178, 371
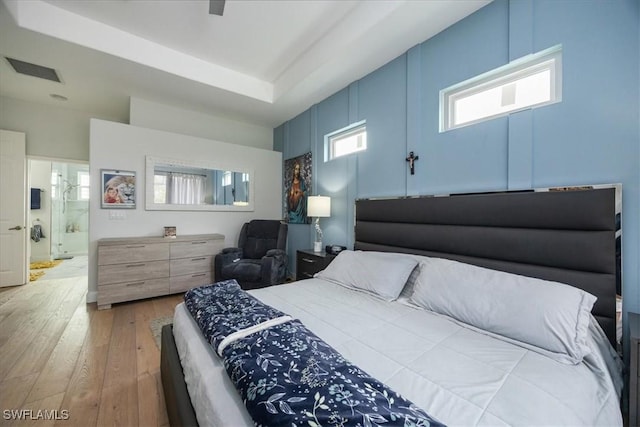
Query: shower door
69, 210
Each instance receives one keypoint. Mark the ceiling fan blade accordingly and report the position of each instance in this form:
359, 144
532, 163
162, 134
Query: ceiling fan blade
216, 7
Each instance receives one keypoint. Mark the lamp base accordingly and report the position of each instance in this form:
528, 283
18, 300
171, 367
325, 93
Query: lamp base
317, 247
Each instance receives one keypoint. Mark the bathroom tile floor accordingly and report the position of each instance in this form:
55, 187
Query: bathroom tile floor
75, 267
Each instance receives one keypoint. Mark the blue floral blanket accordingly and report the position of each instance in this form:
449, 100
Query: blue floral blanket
224, 312
285, 374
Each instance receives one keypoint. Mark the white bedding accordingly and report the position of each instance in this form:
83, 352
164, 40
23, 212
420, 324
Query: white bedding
459, 376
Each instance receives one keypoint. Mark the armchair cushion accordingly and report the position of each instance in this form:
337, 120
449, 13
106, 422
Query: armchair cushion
276, 253
233, 250
261, 236
230, 254
224, 259
244, 270
259, 259
274, 267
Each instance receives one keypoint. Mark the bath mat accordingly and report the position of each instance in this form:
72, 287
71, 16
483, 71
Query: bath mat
35, 275
44, 264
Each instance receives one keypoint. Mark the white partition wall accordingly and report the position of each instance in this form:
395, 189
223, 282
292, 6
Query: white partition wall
115, 146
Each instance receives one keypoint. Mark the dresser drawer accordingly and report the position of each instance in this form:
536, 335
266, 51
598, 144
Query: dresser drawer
135, 252
185, 282
196, 248
199, 264
132, 290
132, 271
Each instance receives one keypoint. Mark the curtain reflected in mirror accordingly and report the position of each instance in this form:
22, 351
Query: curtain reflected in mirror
182, 185
179, 188
186, 189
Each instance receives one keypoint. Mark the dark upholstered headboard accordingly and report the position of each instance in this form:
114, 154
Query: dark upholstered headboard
565, 236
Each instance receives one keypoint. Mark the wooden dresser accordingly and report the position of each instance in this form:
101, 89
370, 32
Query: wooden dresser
143, 267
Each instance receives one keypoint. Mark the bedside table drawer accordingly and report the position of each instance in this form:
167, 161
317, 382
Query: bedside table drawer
306, 269
309, 263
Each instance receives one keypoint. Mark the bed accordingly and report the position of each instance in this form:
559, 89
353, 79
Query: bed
438, 357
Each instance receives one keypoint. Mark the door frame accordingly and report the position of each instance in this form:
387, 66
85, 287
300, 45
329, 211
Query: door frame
24, 270
29, 158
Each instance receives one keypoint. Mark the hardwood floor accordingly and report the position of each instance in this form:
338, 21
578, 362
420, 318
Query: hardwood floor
95, 368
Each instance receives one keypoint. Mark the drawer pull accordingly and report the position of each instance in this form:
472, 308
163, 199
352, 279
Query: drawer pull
312, 261
136, 265
199, 275
198, 243
135, 283
304, 273
197, 259
134, 246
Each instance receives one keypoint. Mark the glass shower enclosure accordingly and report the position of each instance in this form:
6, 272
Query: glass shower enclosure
69, 210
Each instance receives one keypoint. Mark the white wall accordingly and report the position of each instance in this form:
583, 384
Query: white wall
152, 115
124, 147
62, 133
52, 132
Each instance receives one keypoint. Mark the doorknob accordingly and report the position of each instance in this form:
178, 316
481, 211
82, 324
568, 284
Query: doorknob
17, 227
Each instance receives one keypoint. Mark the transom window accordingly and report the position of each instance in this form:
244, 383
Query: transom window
345, 141
160, 187
83, 185
529, 82
226, 178
54, 185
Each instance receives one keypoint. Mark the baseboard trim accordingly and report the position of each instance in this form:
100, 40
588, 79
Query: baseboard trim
92, 296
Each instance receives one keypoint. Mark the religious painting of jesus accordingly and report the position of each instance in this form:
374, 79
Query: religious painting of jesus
297, 187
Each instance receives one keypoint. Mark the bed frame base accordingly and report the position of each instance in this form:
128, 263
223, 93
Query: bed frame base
176, 395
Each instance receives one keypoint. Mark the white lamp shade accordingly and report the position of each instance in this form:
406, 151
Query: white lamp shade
319, 206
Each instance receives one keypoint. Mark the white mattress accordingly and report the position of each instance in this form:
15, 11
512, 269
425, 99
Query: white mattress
458, 376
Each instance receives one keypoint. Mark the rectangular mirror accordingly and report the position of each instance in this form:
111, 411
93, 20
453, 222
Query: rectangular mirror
173, 184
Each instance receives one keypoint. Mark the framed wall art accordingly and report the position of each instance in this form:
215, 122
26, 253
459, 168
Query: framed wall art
170, 232
297, 187
118, 189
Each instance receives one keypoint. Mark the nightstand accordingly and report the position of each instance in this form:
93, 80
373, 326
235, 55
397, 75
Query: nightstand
309, 263
634, 374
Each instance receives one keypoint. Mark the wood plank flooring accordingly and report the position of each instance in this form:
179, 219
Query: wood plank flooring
96, 368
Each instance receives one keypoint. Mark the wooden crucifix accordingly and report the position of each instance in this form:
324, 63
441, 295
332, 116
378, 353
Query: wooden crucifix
411, 159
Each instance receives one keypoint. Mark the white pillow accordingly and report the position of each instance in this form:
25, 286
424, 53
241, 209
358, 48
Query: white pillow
549, 316
378, 273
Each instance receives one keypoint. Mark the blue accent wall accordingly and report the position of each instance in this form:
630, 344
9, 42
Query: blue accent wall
591, 137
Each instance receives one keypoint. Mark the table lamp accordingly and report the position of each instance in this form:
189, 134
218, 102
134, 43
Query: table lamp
318, 206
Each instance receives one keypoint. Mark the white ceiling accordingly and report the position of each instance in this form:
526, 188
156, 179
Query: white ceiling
263, 61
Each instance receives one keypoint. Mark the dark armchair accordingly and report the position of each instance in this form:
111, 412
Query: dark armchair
259, 260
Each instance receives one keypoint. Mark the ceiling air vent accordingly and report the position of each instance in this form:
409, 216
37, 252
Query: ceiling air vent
216, 7
34, 70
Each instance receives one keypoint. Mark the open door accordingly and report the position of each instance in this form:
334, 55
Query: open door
13, 209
